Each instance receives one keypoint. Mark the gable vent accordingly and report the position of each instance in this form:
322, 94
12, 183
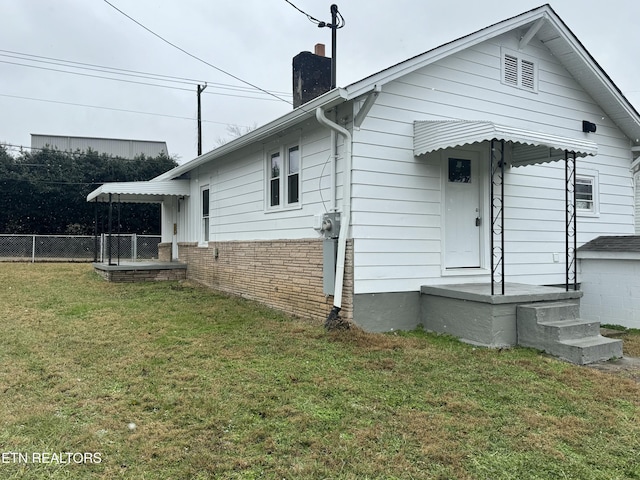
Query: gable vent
528, 75
510, 70
519, 72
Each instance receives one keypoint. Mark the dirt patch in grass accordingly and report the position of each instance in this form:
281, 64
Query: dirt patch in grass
631, 343
629, 366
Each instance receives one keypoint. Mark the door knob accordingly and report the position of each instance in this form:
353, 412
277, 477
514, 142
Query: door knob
477, 221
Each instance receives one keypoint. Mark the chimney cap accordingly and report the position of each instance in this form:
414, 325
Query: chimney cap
319, 49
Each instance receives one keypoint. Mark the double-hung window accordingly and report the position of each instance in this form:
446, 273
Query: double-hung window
293, 175
283, 177
204, 198
587, 194
275, 172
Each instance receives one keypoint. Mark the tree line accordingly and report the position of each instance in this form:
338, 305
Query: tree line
45, 192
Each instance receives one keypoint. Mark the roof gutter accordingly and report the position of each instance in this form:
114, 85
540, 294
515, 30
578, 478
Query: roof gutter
345, 221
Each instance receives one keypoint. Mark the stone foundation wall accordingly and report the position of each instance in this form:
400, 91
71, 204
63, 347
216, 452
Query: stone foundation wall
282, 274
142, 275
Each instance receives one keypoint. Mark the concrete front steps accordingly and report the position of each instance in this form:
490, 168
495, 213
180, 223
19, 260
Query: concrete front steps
555, 327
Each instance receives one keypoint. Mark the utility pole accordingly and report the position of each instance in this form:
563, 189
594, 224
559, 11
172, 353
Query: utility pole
200, 90
334, 47
334, 26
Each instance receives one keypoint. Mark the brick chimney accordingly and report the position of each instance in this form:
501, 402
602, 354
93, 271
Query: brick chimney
311, 75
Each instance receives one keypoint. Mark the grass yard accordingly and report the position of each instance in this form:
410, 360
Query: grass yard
219, 387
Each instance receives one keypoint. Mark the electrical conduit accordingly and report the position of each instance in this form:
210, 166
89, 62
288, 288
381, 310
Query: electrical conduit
345, 221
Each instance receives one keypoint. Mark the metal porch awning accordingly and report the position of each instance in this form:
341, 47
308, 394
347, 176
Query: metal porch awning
514, 147
528, 147
140, 192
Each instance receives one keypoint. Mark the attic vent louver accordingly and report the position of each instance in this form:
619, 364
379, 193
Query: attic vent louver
518, 71
510, 70
528, 75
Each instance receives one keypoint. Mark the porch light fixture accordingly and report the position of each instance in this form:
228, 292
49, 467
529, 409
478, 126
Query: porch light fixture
588, 127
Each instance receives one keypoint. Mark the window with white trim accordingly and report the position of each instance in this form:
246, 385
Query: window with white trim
283, 177
275, 170
519, 71
204, 199
293, 175
587, 194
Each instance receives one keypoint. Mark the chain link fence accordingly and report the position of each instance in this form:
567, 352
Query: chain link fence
78, 248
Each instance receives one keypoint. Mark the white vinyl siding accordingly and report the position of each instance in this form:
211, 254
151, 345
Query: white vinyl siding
397, 198
240, 201
400, 249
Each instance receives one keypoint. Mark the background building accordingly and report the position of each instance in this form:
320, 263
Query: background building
116, 147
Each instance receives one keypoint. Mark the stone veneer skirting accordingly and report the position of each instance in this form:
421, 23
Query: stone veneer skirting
145, 272
283, 274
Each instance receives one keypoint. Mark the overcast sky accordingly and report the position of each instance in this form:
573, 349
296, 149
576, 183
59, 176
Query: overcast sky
254, 40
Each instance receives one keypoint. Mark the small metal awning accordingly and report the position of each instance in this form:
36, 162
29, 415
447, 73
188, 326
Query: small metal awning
140, 192
528, 147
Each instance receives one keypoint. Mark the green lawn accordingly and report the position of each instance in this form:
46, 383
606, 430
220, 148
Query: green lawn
219, 387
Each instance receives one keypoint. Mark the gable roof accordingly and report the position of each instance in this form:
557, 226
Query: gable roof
541, 22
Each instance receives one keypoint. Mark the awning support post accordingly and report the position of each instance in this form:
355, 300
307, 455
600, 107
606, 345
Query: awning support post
95, 231
496, 174
571, 231
110, 228
119, 229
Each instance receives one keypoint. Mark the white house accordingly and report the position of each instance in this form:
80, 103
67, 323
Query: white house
474, 163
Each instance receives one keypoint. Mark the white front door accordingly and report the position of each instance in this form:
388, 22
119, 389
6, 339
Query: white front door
463, 213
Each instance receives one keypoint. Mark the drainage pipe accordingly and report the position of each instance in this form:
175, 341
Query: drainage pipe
345, 221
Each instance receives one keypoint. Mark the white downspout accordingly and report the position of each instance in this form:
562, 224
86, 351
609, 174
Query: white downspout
345, 221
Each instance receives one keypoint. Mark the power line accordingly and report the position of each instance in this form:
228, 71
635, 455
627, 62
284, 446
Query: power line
98, 69
109, 108
124, 72
311, 18
132, 81
194, 56
341, 22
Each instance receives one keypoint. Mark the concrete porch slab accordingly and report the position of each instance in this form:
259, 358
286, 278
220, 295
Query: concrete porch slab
471, 313
513, 292
141, 271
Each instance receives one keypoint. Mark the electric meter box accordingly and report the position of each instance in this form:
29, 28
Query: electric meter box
331, 225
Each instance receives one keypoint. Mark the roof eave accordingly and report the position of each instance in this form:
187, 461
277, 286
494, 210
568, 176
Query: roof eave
327, 100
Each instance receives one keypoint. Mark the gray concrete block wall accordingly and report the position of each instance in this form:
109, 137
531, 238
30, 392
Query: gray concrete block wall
474, 322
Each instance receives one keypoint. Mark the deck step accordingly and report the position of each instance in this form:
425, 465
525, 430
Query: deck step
555, 327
